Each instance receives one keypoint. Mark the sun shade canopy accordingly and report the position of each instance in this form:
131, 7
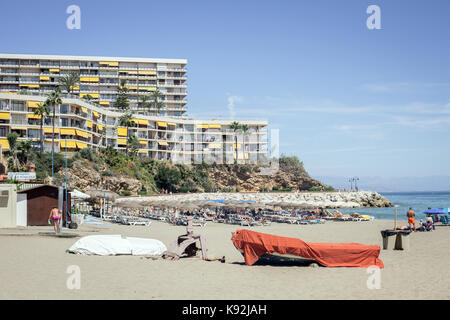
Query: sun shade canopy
255, 244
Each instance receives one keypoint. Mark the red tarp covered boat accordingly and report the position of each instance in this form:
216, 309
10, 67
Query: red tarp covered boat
254, 244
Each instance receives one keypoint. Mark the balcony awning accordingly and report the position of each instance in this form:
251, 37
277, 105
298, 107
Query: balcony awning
49, 130
89, 124
162, 143
81, 145
68, 131
109, 63
4, 143
93, 95
44, 78
84, 109
4, 115
121, 141
33, 104
214, 126
70, 144
152, 88
162, 124
54, 70
34, 116
89, 79
104, 103
171, 124
202, 126
140, 121
100, 127
122, 132
143, 141
95, 113
143, 151
147, 72
83, 134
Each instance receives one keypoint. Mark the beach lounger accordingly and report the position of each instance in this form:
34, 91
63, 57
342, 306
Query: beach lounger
139, 223
445, 221
198, 223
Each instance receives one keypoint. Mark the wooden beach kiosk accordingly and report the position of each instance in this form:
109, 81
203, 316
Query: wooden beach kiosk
41, 199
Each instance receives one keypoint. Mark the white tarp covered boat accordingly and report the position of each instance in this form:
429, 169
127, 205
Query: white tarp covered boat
109, 245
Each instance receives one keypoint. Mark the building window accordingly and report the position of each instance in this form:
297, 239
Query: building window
64, 122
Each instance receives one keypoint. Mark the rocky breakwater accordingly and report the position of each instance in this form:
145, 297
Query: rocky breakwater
329, 200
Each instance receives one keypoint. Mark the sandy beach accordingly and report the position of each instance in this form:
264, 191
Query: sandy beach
34, 266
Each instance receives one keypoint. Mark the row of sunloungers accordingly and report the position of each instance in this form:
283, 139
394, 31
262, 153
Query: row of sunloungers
127, 220
171, 219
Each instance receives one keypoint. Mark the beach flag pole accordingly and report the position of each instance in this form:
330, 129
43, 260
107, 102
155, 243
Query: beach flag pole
395, 221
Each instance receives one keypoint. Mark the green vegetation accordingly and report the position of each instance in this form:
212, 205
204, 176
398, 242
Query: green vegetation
153, 175
155, 102
328, 188
125, 193
69, 81
122, 102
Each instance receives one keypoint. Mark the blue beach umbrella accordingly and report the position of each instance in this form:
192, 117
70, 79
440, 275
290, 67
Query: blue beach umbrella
438, 211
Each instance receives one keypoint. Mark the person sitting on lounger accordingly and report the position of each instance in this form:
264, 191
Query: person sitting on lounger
429, 223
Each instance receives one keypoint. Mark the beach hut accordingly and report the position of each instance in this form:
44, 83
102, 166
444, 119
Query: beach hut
9, 206
41, 199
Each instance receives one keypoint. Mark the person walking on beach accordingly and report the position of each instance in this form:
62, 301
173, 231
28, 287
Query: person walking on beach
54, 217
411, 218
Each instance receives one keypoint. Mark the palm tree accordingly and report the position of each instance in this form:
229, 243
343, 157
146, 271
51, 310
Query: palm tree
24, 147
133, 144
88, 97
235, 126
42, 110
12, 140
144, 102
245, 129
54, 99
122, 101
155, 103
126, 121
69, 81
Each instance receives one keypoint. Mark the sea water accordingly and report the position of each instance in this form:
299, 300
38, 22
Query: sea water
419, 201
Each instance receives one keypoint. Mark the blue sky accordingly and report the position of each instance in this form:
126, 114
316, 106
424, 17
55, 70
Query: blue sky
347, 100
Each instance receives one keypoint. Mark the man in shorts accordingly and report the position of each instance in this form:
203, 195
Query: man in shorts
411, 219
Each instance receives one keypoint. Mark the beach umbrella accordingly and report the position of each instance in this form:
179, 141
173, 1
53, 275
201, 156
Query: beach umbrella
438, 211
188, 205
76, 194
108, 195
128, 204
211, 204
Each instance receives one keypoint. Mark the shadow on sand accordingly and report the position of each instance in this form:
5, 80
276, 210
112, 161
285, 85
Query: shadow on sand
270, 260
